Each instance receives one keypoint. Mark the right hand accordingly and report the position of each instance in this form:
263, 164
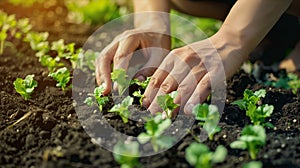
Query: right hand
120, 51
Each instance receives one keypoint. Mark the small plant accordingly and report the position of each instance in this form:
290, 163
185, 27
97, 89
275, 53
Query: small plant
199, 155
142, 84
93, 12
98, 96
120, 77
126, 154
257, 114
50, 63
155, 128
139, 95
25, 87
166, 102
122, 108
253, 164
285, 81
209, 117
62, 76
252, 138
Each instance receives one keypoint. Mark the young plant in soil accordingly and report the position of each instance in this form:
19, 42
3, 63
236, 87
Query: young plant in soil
62, 76
25, 87
121, 78
252, 138
257, 114
122, 108
199, 155
155, 128
285, 81
143, 85
98, 96
166, 102
209, 117
126, 154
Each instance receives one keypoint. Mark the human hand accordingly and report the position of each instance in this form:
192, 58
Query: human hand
191, 70
153, 43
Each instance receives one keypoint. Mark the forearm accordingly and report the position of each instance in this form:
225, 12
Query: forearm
250, 20
154, 18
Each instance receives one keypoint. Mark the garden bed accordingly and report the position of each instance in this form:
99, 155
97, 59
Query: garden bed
52, 135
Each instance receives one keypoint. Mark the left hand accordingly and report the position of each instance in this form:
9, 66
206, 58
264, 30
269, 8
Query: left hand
190, 70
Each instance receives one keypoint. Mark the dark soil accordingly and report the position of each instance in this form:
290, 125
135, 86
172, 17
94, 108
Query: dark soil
52, 136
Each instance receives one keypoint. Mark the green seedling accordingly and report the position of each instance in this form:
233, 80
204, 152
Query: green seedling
253, 164
94, 12
257, 114
294, 82
98, 96
62, 76
285, 81
122, 108
166, 102
139, 95
252, 139
199, 155
155, 128
209, 117
25, 87
126, 154
121, 78
50, 63
142, 84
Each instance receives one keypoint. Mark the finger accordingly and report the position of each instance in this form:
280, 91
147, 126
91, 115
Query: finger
153, 86
188, 85
200, 94
103, 67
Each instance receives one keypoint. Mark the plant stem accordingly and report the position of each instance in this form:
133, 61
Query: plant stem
1, 47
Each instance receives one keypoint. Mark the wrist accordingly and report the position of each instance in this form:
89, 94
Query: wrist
155, 21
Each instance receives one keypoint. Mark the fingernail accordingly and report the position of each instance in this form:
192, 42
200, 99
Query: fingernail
141, 78
189, 108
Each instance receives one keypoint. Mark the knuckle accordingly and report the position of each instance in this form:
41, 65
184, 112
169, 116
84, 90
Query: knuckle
183, 89
167, 87
205, 83
155, 82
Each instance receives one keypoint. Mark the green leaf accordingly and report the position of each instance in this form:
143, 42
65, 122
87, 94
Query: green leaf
165, 141
89, 101
122, 108
240, 103
62, 76
120, 77
25, 87
194, 151
143, 138
238, 145
253, 164
166, 102
260, 93
126, 154
220, 154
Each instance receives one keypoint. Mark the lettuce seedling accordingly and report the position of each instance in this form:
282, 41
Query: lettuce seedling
62, 76
166, 102
25, 87
142, 84
50, 63
294, 82
120, 77
257, 114
199, 155
253, 138
155, 128
209, 117
98, 96
139, 95
122, 108
126, 154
